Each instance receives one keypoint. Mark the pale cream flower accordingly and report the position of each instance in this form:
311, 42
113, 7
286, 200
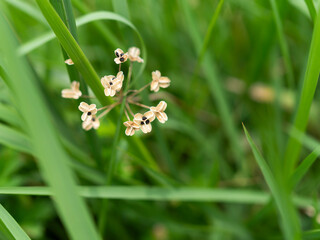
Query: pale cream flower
112, 84
69, 62
132, 127
159, 111
262, 93
88, 111
158, 81
91, 123
74, 92
144, 121
121, 57
134, 55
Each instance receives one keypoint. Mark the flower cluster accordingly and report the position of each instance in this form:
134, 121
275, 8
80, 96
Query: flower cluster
113, 87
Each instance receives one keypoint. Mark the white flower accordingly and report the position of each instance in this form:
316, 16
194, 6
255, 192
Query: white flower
132, 127
91, 123
121, 57
134, 55
144, 121
69, 61
74, 92
159, 111
112, 84
158, 81
88, 111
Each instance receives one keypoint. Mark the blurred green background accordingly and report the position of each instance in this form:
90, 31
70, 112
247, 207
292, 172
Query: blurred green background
230, 62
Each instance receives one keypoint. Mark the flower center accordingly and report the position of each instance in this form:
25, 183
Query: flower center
142, 123
117, 54
89, 113
121, 54
147, 122
121, 59
93, 119
110, 83
144, 118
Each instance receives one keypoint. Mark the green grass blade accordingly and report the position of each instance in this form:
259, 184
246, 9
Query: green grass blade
9, 115
14, 139
289, 219
74, 51
309, 86
190, 194
214, 86
11, 225
283, 43
312, 9
100, 27
52, 158
303, 168
27, 9
208, 36
313, 234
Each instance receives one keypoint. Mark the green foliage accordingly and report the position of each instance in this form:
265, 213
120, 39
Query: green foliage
199, 176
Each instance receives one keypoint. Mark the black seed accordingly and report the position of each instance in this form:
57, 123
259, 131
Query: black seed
121, 59
142, 123
144, 118
117, 54
89, 113
110, 83
147, 122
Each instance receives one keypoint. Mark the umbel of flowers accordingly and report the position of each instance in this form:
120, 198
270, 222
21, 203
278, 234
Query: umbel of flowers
113, 87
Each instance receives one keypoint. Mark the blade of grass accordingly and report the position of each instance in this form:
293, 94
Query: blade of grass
303, 168
215, 87
313, 234
14, 139
189, 194
8, 222
52, 158
9, 115
287, 212
312, 9
101, 28
27, 9
64, 9
302, 113
283, 44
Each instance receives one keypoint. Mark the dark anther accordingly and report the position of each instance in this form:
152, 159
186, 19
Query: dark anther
121, 54
147, 122
121, 59
144, 118
110, 83
117, 54
89, 113
142, 123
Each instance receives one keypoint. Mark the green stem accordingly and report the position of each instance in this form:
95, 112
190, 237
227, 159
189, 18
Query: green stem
283, 44
308, 90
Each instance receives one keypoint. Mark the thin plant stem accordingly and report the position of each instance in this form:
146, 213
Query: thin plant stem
127, 115
139, 104
140, 90
129, 109
129, 73
108, 110
86, 96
